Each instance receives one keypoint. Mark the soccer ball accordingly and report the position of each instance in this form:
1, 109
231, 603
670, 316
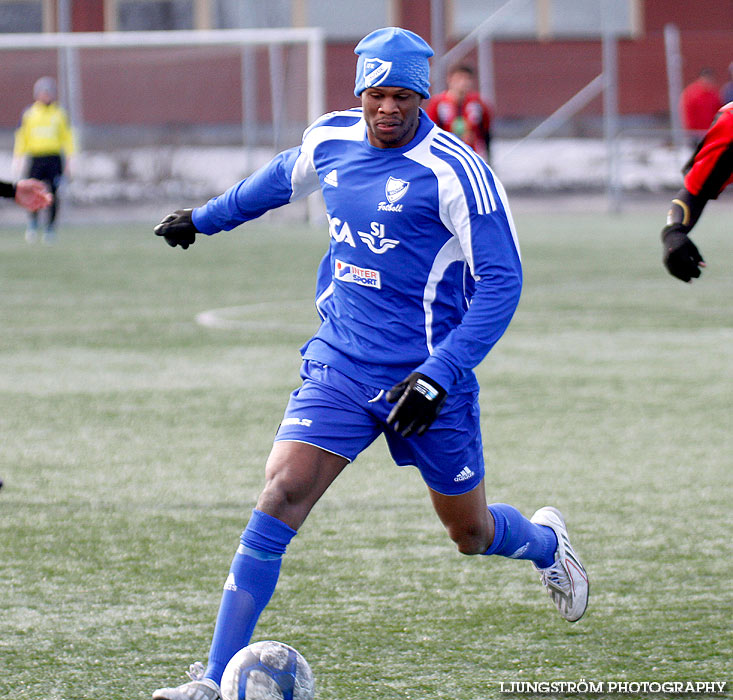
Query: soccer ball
267, 671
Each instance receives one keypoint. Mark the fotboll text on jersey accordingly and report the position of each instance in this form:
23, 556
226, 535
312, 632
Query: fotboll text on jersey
385, 206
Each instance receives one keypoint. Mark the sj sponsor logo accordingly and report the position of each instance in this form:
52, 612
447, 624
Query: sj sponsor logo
375, 239
346, 272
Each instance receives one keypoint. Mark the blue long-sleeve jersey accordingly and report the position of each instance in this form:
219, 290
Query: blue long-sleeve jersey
423, 271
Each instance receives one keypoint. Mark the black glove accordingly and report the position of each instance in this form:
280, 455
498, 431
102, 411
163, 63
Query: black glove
177, 229
419, 400
681, 256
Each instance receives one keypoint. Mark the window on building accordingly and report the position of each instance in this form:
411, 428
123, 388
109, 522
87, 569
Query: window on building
572, 18
246, 14
21, 16
546, 18
338, 18
519, 19
347, 20
142, 15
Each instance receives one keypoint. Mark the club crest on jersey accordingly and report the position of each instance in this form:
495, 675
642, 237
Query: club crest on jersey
394, 190
375, 71
346, 272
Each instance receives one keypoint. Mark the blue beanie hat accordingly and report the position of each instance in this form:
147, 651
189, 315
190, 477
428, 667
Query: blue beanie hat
393, 57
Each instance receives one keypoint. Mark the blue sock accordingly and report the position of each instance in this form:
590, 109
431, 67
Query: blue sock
251, 582
518, 538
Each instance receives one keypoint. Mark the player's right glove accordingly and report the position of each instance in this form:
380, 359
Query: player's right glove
419, 400
177, 229
681, 256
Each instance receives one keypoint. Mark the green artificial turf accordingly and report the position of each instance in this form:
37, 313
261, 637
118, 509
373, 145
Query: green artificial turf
133, 438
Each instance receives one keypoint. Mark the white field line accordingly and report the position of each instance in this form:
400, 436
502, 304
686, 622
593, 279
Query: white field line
241, 317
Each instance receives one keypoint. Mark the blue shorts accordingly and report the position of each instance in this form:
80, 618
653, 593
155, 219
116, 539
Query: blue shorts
344, 417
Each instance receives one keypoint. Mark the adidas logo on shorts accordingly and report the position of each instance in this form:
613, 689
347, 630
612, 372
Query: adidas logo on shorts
464, 474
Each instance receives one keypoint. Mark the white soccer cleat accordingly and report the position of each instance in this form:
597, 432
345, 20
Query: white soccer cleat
199, 688
566, 580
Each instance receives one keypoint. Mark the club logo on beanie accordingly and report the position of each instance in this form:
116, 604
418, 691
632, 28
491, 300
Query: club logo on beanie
375, 71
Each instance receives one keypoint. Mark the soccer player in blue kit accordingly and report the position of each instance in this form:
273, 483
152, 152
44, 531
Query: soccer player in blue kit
421, 279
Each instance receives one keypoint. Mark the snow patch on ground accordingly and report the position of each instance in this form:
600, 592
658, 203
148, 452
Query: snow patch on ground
195, 174
648, 165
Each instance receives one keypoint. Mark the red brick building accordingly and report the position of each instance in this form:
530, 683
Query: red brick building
533, 74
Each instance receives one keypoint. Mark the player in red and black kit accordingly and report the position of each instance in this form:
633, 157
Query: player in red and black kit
708, 172
461, 111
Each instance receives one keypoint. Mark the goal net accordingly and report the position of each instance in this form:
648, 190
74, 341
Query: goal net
149, 98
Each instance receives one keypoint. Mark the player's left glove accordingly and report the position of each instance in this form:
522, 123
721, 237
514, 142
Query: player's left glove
419, 400
177, 229
681, 256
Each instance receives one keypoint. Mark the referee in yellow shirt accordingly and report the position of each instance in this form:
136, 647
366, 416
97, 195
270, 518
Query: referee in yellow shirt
44, 136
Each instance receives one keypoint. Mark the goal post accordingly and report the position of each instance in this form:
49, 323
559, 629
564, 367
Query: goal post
261, 51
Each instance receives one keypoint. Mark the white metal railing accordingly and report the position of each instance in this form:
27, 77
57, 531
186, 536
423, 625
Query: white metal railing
605, 84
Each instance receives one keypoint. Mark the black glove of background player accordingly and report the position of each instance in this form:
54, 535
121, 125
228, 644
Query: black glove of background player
419, 400
177, 229
681, 256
